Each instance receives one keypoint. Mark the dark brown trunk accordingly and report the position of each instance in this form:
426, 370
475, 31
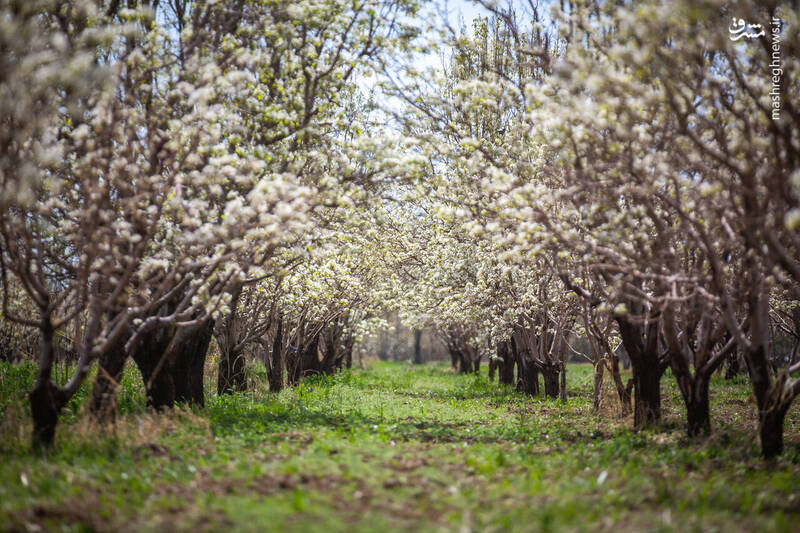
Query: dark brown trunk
476, 364
641, 344
527, 373
47, 400
647, 395
151, 360
733, 366
523, 381
103, 404
550, 375
110, 366
329, 362
232, 366
758, 368
528, 378
771, 430
697, 411
773, 397
348, 351
275, 371
171, 361
771, 400
383, 347
159, 387
464, 364
232, 373
522, 377
417, 347
597, 396
694, 388
694, 391
189, 365
454, 358
623, 391
506, 374
309, 358
293, 365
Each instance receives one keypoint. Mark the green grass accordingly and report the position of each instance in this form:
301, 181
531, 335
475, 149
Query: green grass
396, 447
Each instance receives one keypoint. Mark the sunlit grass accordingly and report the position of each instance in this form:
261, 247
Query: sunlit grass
396, 447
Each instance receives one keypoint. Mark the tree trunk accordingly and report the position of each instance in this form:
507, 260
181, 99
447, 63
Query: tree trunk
528, 376
623, 391
454, 358
158, 384
329, 360
110, 366
647, 397
694, 388
47, 400
232, 366
522, 377
550, 375
189, 365
417, 347
641, 345
309, 358
275, 371
149, 357
697, 411
348, 351
772, 400
733, 365
171, 364
770, 415
293, 364
464, 364
597, 396
506, 373
528, 380
232, 373
771, 431
103, 403
383, 347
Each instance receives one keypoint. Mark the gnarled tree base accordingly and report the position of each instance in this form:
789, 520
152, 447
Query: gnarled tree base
46, 404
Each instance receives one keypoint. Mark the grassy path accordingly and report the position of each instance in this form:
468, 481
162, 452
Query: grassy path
396, 447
